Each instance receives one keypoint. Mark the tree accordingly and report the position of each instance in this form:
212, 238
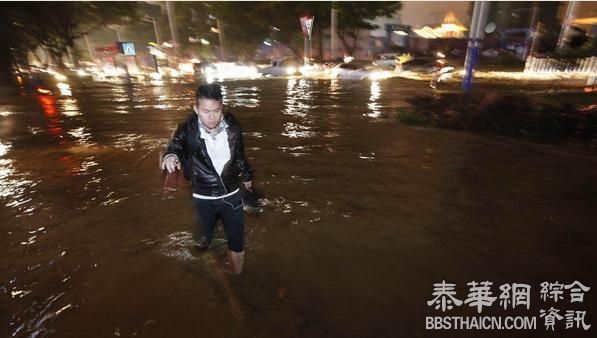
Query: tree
195, 24
7, 36
55, 26
248, 23
356, 15
242, 25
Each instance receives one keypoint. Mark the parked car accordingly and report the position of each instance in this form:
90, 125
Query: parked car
359, 71
230, 70
420, 65
283, 67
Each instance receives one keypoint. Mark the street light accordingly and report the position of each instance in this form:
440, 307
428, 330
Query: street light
151, 19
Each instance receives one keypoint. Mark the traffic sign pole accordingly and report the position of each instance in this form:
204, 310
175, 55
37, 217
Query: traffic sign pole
475, 41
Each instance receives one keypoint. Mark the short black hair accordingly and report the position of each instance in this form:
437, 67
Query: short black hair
211, 91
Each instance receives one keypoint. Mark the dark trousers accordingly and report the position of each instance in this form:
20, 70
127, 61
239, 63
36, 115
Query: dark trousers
230, 210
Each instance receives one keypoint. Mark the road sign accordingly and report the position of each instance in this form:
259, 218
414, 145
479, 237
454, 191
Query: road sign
307, 25
127, 48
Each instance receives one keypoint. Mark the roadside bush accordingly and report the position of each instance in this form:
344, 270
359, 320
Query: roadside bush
411, 117
513, 115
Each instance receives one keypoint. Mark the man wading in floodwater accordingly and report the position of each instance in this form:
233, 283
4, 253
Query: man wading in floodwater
210, 146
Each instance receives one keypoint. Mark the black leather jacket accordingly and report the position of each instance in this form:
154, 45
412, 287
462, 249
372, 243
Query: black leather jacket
187, 144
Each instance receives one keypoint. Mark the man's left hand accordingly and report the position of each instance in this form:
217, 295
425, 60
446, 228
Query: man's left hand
248, 185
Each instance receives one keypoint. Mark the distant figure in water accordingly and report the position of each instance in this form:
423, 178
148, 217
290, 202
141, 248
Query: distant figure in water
209, 145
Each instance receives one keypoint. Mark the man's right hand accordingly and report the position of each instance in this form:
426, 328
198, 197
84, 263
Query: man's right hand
171, 163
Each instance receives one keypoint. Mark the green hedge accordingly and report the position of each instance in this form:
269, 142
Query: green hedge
513, 115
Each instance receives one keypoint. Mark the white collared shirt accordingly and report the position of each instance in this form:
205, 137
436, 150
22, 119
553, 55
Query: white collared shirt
218, 148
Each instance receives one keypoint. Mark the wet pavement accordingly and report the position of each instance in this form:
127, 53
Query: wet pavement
362, 215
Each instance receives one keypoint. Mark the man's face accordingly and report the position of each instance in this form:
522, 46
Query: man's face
209, 112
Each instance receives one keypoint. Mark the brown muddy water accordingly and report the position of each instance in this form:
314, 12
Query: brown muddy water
362, 216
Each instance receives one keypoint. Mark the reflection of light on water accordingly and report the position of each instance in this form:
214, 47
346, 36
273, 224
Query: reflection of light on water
283, 205
302, 179
244, 96
14, 187
41, 316
293, 150
334, 86
122, 109
70, 107
178, 246
20, 293
298, 98
30, 241
294, 130
162, 106
88, 164
82, 135
112, 201
375, 91
48, 104
131, 142
367, 156
4, 148
255, 134
127, 141
298, 105
373, 105
118, 91
35, 130
37, 230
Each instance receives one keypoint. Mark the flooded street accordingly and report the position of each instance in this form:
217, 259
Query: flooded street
362, 215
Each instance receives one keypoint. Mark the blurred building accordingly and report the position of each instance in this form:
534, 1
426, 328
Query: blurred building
514, 24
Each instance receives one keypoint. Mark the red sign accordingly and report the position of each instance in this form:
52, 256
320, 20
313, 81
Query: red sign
307, 24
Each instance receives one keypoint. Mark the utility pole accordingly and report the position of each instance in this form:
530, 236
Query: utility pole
533, 30
173, 31
158, 38
475, 41
156, 31
221, 38
333, 32
566, 24
89, 49
307, 27
536, 35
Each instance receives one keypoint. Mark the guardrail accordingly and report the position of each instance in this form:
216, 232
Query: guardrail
555, 65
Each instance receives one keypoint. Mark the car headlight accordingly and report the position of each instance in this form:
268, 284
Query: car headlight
290, 70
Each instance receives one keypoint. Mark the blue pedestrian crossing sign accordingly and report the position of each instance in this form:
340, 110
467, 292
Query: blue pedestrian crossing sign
127, 48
